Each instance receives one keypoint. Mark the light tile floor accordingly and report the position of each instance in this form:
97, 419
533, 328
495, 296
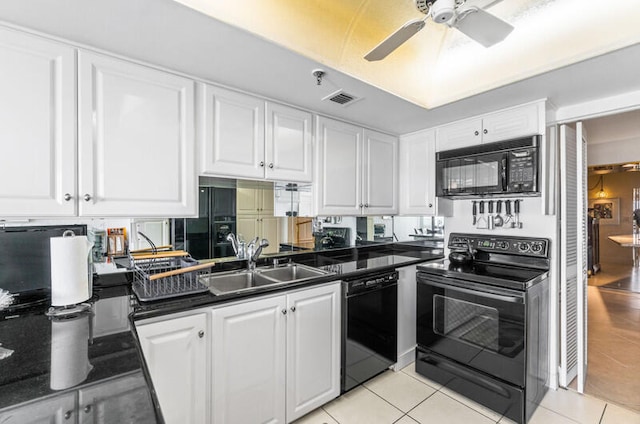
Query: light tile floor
406, 397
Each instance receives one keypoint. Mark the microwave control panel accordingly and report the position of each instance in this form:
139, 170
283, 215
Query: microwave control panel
523, 167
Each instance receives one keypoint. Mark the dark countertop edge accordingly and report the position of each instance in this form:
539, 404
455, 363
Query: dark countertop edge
145, 371
165, 307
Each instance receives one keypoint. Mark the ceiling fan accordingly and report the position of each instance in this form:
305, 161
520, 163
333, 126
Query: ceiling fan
474, 22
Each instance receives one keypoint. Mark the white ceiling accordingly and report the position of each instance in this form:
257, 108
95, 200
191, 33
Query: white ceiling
171, 35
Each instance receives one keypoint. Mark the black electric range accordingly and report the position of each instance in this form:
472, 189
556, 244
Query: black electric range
482, 325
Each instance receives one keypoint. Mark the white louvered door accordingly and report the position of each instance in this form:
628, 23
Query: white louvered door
572, 258
581, 137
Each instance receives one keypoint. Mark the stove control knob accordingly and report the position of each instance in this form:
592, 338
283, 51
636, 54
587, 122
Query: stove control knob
523, 247
503, 245
536, 247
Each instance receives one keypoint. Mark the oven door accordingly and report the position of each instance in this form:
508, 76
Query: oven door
474, 324
479, 174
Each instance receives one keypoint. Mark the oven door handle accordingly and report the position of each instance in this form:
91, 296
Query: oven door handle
482, 293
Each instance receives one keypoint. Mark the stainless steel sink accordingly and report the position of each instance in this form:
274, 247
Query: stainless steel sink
292, 272
239, 281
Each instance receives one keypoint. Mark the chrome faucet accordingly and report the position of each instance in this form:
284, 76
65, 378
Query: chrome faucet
238, 247
253, 252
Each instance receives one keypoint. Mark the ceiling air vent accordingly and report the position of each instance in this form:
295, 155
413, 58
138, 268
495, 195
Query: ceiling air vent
341, 98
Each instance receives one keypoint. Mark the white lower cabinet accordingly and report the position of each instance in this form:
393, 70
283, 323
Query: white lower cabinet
275, 359
56, 409
175, 351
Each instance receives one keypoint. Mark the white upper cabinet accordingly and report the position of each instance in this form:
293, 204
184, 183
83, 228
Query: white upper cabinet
231, 133
236, 140
507, 124
136, 140
380, 180
459, 134
288, 144
418, 176
357, 170
38, 127
338, 168
511, 123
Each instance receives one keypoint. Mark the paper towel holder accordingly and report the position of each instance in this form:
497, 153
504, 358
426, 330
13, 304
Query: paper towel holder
73, 309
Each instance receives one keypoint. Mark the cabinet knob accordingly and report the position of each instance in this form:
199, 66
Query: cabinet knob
67, 197
271, 165
430, 205
476, 133
87, 197
201, 333
262, 164
87, 409
67, 415
366, 205
284, 312
293, 309
361, 205
485, 131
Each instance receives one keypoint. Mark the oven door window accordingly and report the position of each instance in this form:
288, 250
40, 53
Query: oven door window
483, 330
466, 322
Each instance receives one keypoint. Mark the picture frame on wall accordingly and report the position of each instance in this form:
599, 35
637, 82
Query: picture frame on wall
606, 210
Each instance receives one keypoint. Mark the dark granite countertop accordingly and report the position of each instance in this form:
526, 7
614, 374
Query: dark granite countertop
89, 359
77, 363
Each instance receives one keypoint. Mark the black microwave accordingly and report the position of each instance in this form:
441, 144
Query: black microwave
502, 168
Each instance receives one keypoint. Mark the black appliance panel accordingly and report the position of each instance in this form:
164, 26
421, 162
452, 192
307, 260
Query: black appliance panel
481, 328
25, 256
369, 331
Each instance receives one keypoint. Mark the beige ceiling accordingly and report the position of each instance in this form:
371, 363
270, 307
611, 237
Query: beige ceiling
439, 65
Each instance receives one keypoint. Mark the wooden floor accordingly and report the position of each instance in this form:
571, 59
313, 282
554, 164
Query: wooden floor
613, 372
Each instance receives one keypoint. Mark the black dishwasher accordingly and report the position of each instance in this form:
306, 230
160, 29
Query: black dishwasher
369, 327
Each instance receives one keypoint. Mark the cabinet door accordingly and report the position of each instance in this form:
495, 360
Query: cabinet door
380, 167
175, 351
313, 349
248, 199
460, 134
37, 106
231, 133
417, 174
338, 168
248, 226
123, 400
248, 362
288, 153
137, 143
512, 123
54, 410
270, 229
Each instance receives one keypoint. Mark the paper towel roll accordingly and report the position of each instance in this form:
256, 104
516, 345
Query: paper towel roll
69, 351
70, 283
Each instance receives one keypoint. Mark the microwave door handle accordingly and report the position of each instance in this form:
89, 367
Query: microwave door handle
504, 173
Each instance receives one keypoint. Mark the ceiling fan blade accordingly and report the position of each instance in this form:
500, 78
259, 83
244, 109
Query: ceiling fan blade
395, 40
482, 26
